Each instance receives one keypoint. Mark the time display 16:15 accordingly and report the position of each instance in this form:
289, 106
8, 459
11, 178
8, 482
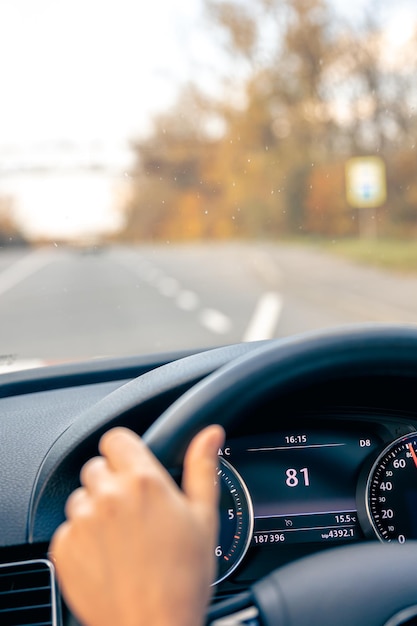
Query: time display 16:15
294, 439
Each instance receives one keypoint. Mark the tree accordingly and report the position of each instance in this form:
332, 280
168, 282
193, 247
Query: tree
313, 91
10, 232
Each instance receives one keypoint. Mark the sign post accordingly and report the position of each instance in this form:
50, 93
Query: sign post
366, 190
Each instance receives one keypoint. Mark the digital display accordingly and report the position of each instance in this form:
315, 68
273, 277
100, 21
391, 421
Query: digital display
303, 483
411, 509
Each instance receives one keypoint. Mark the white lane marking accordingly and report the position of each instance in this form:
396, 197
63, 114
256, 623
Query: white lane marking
150, 274
20, 364
168, 286
265, 317
22, 269
215, 321
187, 300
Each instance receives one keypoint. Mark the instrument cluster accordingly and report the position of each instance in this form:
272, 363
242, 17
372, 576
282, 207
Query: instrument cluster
308, 488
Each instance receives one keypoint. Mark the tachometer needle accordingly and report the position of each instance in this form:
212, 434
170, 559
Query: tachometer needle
413, 453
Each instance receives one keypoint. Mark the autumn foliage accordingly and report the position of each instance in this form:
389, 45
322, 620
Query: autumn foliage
319, 91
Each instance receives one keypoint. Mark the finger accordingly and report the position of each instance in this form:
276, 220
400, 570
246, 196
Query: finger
59, 540
95, 472
78, 504
122, 448
125, 450
200, 464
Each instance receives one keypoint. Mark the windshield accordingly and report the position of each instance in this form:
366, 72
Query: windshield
180, 175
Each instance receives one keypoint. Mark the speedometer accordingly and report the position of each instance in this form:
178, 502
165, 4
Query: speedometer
391, 491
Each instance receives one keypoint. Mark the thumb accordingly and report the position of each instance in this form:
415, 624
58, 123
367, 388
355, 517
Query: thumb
199, 472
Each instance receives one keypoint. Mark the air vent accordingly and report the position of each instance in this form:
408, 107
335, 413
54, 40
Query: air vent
27, 594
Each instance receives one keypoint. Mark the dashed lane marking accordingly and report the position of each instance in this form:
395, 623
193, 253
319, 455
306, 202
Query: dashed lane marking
215, 321
168, 287
187, 300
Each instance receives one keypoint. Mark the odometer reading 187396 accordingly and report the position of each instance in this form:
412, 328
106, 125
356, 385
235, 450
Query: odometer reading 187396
391, 491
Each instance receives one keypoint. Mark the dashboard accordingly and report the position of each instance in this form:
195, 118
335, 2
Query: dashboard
289, 492
316, 457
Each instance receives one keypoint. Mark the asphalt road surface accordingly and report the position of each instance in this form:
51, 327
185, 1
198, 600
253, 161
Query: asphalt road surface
59, 304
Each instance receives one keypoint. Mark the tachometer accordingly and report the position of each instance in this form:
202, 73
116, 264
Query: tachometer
391, 491
236, 521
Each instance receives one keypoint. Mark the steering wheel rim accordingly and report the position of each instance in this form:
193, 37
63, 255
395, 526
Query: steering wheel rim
278, 368
358, 572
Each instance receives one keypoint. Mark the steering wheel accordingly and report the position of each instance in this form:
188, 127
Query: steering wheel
365, 585
369, 584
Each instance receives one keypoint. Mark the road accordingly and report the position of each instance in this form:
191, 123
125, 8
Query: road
59, 304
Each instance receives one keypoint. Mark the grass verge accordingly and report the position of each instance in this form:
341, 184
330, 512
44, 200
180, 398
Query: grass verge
395, 254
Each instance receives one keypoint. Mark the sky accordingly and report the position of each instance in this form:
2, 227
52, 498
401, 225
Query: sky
78, 69
79, 75
94, 70
87, 75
